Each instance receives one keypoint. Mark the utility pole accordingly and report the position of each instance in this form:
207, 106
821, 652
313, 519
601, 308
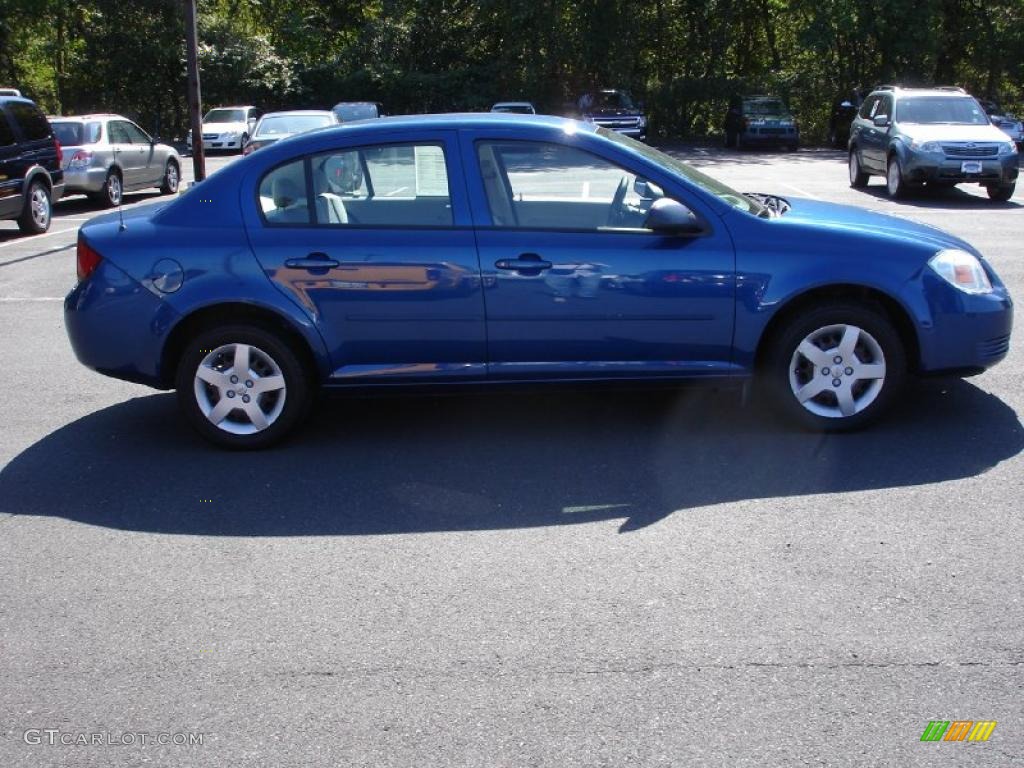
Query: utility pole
194, 99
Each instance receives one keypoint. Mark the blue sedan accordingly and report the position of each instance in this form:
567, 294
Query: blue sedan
445, 250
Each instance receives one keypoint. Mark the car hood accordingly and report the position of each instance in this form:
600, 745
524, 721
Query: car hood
853, 219
223, 127
978, 133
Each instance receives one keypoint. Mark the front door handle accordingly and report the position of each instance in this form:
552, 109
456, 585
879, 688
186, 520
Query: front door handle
529, 263
313, 261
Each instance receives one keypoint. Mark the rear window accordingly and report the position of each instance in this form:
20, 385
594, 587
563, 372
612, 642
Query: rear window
72, 134
34, 125
349, 113
286, 125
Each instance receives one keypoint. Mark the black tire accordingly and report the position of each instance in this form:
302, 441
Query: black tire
781, 362
37, 211
112, 193
895, 185
241, 144
1001, 192
858, 178
172, 178
297, 394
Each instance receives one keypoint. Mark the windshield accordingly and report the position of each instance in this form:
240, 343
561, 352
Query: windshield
613, 100
285, 125
688, 172
225, 116
764, 107
932, 110
348, 113
74, 133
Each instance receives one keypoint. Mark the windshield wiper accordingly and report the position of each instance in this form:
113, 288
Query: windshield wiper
772, 206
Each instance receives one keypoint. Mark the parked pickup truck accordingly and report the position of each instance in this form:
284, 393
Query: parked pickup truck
615, 110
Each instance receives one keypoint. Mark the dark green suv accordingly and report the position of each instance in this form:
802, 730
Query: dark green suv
938, 136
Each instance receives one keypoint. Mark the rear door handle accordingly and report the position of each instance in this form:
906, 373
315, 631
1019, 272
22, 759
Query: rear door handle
313, 261
525, 262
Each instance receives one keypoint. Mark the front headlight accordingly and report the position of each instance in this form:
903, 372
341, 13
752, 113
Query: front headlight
926, 146
961, 270
1008, 148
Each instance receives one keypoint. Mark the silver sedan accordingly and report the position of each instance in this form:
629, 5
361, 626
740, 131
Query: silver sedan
108, 155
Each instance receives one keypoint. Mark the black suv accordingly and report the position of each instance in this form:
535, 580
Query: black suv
31, 178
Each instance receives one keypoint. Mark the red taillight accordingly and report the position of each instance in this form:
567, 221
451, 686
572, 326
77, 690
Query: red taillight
60, 152
88, 259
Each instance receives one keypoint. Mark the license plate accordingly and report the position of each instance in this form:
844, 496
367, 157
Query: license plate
972, 166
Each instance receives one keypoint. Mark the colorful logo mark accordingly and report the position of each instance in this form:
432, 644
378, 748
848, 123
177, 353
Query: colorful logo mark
958, 730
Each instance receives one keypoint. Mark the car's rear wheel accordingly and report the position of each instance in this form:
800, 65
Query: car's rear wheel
858, 179
837, 367
1001, 192
172, 177
894, 183
242, 387
113, 191
35, 216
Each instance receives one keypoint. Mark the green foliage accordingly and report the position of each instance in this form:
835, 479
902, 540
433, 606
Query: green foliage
684, 58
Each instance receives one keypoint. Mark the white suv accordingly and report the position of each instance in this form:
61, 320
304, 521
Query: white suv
227, 127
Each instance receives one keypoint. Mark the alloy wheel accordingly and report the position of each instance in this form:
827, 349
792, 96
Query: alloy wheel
837, 371
39, 205
114, 189
240, 389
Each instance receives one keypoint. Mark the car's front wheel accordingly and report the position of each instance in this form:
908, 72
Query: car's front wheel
1001, 192
836, 368
242, 387
894, 183
858, 179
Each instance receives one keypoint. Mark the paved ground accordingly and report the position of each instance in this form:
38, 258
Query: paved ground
559, 580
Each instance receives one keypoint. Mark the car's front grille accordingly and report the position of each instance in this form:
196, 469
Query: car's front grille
970, 150
210, 136
629, 122
994, 348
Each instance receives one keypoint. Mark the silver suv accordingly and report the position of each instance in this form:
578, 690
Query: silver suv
938, 136
108, 155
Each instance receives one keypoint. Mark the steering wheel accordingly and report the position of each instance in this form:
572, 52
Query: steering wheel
616, 213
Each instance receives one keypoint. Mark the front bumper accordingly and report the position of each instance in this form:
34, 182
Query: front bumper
81, 181
919, 167
965, 333
787, 136
117, 327
219, 143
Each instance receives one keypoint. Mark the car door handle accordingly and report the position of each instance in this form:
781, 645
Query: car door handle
313, 261
525, 262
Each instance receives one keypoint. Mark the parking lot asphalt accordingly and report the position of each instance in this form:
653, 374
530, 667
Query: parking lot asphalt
559, 579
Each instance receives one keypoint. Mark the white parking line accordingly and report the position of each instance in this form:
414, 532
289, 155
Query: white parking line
801, 192
13, 299
23, 240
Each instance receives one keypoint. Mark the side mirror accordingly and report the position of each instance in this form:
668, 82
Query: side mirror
670, 217
881, 121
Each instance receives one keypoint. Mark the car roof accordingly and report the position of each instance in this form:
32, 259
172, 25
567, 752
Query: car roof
910, 92
233, 106
455, 120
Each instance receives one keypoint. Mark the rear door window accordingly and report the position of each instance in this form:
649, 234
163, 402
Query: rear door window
33, 123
